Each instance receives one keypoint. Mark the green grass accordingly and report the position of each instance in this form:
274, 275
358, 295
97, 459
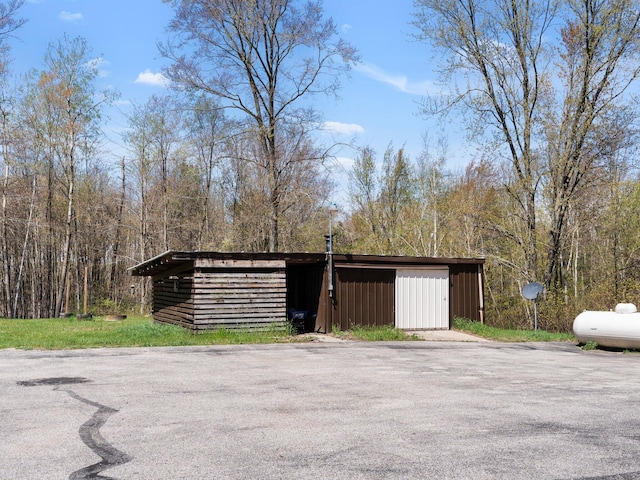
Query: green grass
590, 345
506, 335
135, 331
69, 333
373, 334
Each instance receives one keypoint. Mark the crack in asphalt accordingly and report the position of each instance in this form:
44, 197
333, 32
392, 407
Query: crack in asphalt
89, 431
90, 435
621, 476
53, 381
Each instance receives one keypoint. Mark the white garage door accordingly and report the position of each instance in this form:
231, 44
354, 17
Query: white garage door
422, 299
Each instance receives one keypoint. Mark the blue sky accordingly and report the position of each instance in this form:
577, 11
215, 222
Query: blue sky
378, 104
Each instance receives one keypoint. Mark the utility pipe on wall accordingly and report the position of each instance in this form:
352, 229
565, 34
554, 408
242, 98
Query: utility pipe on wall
330, 250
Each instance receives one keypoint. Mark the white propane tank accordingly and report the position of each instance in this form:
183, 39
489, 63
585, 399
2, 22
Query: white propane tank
617, 329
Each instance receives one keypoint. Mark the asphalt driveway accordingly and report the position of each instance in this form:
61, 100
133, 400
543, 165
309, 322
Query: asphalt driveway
321, 411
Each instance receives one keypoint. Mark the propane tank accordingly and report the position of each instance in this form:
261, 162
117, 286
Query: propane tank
617, 329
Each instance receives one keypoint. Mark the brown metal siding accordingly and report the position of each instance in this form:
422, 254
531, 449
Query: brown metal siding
364, 288
465, 292
364, 297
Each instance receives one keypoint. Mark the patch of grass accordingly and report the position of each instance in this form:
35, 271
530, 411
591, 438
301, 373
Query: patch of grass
590, 345
373, 334
507, 335
68, 333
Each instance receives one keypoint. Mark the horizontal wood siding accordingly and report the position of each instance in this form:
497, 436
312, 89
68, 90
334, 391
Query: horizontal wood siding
205, 290
172, 302
239, 298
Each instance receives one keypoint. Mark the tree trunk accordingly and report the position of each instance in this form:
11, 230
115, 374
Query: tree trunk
165, 204
5, 221
49, 294
6, 269
273, 233
24, 250
554, 279
116, 240
66, 249
274, 186
143, 240
532, 247
204, 223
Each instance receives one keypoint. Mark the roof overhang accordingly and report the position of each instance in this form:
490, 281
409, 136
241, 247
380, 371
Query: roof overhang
394, 261
181, 261
171, 260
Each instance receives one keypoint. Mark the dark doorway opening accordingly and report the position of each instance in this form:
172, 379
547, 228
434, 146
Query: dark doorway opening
304, 285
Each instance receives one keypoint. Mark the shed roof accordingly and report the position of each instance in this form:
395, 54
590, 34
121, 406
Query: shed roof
172, 259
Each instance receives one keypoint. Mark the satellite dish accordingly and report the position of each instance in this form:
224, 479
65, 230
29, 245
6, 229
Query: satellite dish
531, 290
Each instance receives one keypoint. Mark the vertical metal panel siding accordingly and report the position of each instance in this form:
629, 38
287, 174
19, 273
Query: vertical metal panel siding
465, 292
364, 297
422, 299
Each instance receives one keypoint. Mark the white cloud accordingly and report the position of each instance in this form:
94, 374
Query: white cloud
342, 128
401, 82
346, 28
155, 79
70, 17
345, 163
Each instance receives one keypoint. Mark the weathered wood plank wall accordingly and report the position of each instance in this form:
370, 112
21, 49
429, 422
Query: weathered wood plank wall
172, 301
229, 299
223, 294
239, 299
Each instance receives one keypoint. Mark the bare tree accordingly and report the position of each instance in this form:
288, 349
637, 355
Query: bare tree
261, 58
115, 259
68, 92
363, 198
396, 196
431, 189
499, 48
207, 130
6, 147
381, 202
139, 139
8, 24
599, 60
165, 140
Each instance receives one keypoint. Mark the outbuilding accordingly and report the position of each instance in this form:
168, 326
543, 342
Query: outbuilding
205, 290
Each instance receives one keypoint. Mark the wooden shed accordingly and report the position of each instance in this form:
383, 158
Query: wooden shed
205, 290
